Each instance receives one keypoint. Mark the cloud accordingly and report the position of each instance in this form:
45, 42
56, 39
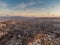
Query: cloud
4, 8
3, 5
22, 5
5, 12
15, 10
31, 3
25, 5
26, 12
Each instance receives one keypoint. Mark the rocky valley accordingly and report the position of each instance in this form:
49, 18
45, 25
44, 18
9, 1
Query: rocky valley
38, 31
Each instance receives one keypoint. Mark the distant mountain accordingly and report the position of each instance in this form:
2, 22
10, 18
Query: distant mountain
2, 18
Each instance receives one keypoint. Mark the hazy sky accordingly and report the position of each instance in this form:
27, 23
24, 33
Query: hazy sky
37, 8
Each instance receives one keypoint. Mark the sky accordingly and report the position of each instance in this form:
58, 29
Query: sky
30, 8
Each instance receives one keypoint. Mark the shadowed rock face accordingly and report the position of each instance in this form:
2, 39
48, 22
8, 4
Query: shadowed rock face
16, 39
